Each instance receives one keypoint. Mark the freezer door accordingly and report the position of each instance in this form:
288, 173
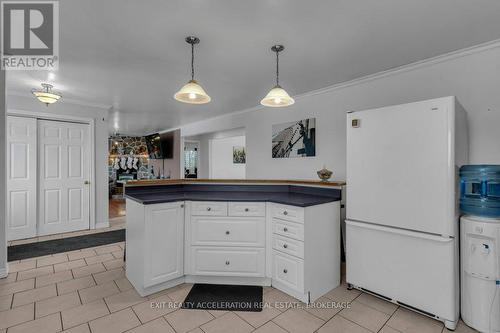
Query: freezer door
400, 166
417, 269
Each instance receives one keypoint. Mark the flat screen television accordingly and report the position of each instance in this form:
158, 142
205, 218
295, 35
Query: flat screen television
167, 144
153, 144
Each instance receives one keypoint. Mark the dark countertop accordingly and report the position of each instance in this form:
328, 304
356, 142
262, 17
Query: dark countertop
300, 196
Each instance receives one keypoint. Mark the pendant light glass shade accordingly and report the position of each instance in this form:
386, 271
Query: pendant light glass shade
46, 95
277, 97
192, 92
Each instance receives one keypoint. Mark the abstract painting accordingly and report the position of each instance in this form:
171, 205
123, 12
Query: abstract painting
294, 139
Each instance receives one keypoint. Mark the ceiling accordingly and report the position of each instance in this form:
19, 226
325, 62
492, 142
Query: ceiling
130, 56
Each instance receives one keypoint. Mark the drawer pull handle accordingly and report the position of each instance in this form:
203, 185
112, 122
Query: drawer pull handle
285, 229
227, 232
285, 271
285, 213
227, 262
209, 209
285, 246
246, 209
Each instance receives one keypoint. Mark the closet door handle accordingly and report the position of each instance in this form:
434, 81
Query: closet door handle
86, 182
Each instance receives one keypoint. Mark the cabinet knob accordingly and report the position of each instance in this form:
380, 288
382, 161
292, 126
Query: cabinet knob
227, 262
227, 232
285, 213
285, 229
285, 246
209, 208
285, 271
246, 209
182, 205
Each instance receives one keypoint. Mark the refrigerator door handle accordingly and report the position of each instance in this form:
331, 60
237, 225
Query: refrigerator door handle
403, 232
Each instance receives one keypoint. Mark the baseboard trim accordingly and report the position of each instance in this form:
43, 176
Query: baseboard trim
100, 225
4, 272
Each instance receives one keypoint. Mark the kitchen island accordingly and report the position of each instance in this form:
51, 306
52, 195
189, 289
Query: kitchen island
257, 232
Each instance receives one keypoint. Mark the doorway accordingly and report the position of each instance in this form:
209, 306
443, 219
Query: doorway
191, 159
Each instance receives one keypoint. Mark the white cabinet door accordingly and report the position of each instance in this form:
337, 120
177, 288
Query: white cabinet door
21, 177
228, 261
164, 243
289, 271
64, 170
228, 231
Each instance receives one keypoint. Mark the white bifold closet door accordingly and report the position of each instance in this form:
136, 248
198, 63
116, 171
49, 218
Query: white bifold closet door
64, 174
21, 177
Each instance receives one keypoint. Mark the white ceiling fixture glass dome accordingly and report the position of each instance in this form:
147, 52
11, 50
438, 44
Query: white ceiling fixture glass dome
277, 97
192, 92
46, 94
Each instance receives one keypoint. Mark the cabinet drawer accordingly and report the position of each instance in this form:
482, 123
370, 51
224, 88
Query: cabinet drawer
228, 231
289, 246
208, 208
288, 229
288, 271
289, 213
228, 261
247, 209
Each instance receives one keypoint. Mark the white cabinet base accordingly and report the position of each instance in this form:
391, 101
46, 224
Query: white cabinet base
234, 246
292, 292
236, 280
146, 291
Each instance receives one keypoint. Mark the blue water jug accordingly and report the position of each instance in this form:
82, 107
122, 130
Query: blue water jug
480, 190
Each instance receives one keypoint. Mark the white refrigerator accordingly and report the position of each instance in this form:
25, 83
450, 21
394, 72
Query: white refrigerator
402, 204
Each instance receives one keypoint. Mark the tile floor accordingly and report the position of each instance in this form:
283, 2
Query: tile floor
86, 291
114, 224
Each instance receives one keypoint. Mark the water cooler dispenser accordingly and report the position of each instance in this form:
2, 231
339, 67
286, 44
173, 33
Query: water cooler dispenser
479, 246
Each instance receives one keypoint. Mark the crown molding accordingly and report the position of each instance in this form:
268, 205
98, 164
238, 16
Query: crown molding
408, 67
379, 75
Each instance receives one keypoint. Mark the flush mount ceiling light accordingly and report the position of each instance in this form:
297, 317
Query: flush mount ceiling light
277, 97
46, 95
192, 92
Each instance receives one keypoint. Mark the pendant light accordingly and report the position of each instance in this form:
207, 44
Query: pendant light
46, 95
277, 97
192, 92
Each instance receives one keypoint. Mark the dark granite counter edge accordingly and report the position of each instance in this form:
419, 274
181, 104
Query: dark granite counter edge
283, 202
282, 194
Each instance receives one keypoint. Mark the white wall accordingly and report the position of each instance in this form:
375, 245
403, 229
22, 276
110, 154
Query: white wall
3, 178
221, 158
204, 151
100, 116
473, 76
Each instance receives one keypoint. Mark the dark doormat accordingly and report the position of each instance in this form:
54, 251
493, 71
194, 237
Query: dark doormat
18, 252
224, 297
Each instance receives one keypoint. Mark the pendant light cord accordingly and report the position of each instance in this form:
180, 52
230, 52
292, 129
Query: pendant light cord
192, 61
277, 69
